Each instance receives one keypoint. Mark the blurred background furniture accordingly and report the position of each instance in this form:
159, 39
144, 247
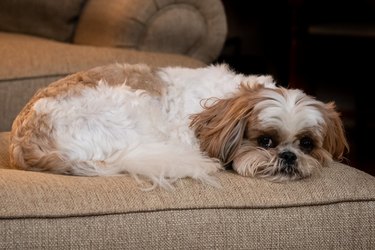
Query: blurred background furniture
41, 41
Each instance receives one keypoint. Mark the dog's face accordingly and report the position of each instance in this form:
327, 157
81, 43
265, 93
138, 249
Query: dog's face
279, 134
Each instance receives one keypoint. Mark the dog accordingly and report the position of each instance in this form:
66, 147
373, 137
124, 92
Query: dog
169, 123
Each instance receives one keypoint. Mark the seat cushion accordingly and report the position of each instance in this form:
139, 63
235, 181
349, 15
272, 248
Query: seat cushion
332, 209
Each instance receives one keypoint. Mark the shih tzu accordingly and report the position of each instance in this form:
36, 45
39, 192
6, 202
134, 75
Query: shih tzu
173, 122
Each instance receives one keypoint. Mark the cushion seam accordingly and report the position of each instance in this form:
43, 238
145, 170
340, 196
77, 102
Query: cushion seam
365, 200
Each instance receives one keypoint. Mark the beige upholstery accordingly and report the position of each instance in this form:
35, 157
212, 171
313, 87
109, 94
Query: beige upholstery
334, 209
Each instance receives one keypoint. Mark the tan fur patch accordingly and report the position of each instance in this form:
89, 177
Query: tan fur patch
135, 76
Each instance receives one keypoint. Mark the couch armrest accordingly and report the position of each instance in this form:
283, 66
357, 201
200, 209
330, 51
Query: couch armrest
191, 27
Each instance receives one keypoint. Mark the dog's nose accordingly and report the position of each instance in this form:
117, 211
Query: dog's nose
288, 157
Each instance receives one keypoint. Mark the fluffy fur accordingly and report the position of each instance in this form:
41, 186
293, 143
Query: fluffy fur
170, 123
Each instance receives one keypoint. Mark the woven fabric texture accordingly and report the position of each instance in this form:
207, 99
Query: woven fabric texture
334, 226
33, 194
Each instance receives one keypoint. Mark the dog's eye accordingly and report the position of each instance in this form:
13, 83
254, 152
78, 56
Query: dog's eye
306, 144
265, 141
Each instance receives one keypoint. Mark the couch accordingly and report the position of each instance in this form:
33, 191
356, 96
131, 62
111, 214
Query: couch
41, 41
39, 46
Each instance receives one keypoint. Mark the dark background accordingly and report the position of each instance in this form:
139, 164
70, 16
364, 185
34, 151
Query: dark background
326, 48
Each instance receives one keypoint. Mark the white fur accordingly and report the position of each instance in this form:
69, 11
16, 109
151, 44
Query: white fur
287, 112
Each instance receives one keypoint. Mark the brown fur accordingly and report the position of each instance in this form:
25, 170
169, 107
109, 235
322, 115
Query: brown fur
218, 125
335, 140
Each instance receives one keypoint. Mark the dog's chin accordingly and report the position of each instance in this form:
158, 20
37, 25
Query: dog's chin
262, 164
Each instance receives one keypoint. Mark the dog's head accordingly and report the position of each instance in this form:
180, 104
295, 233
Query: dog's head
275, 133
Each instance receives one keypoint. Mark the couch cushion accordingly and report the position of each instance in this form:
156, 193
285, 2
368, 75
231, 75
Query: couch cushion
33, 194
41, 61
333, 209
45, 18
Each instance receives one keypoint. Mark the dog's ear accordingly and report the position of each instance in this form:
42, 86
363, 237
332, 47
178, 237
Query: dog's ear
335, 140
220, 127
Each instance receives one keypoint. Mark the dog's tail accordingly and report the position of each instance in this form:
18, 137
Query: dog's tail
162, 164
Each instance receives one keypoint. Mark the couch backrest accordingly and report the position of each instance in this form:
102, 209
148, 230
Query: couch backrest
45, 18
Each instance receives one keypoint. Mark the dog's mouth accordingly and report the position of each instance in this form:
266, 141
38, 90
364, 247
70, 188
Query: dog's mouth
289, 173
275, 169
280, 172
288, 169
